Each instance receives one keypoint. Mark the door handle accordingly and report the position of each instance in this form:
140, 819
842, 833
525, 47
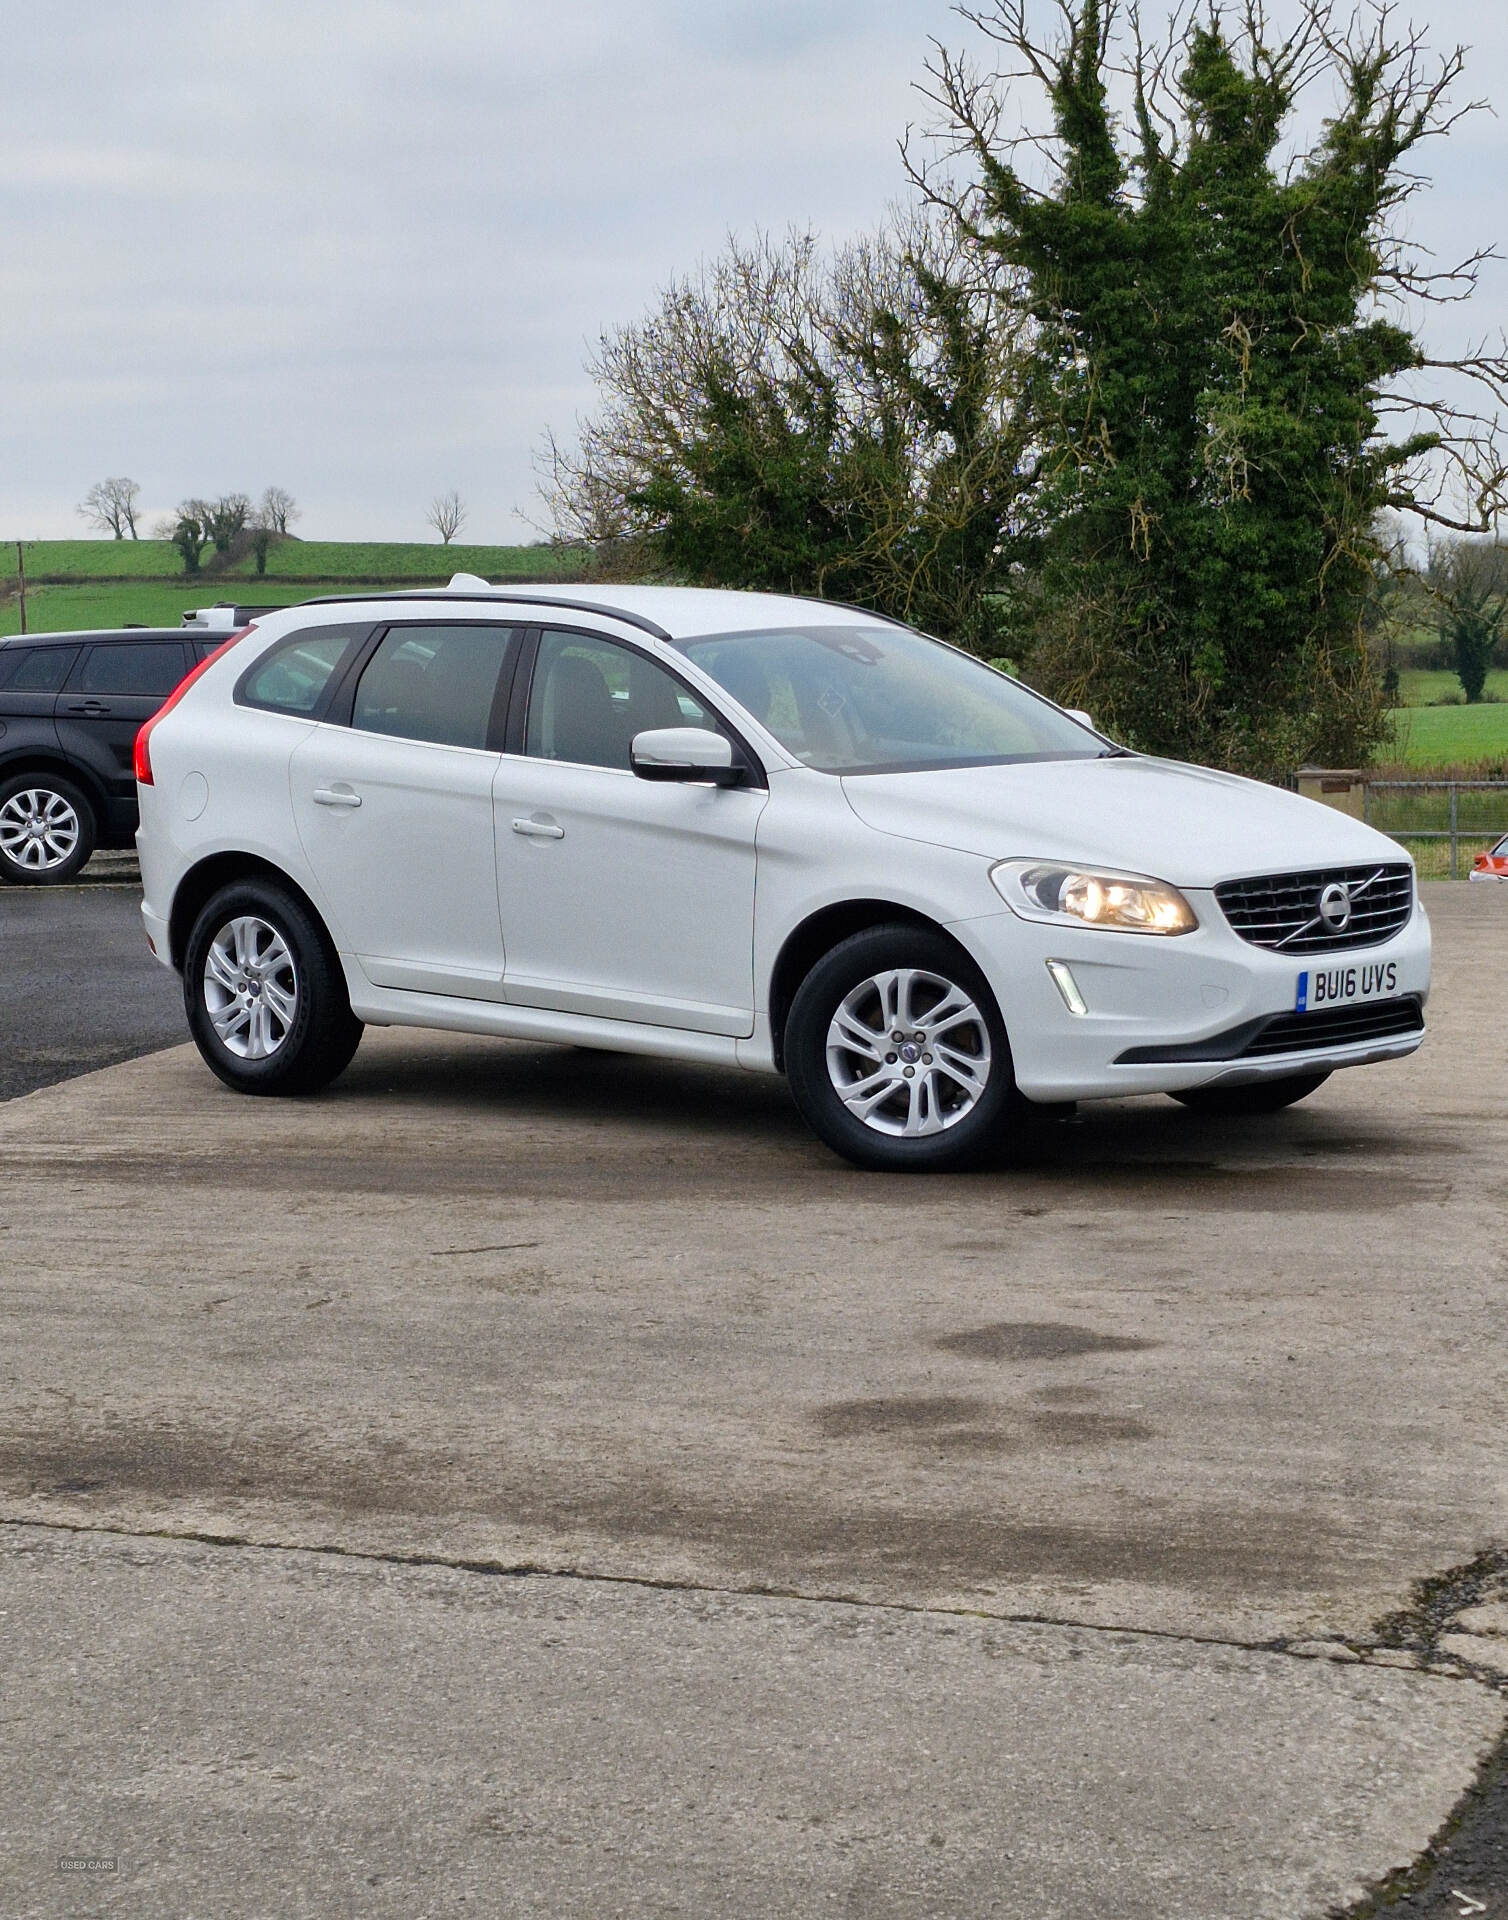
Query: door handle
336, 797
539, 829
86, 706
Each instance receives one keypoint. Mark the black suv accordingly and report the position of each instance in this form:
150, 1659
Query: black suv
70, 708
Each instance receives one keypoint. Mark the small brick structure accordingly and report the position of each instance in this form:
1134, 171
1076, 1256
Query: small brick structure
1342, 787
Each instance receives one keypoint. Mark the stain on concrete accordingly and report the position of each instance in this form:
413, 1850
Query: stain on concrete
837, 1536
1036, 1340
1065, 1429
958, 1424
905, 1415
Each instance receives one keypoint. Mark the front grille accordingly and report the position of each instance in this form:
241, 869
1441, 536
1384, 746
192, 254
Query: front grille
1281, 910
1336, 1027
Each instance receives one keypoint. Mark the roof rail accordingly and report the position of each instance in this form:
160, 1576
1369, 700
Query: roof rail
492, 595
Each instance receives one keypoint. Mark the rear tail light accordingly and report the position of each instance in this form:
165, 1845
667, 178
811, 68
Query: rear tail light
142, 756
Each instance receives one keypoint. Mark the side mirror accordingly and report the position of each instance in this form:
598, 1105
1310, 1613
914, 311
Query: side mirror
685, 753
1078, 713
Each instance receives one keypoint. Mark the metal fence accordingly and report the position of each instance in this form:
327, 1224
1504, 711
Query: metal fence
1439, 821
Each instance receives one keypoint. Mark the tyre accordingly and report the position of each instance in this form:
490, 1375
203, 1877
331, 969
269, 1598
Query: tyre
1257, 1096
266, 999
897, 1055
47, 830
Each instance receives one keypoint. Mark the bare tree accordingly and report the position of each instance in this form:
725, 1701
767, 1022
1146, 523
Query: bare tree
447, 515
844, 424
110, 505
276, 510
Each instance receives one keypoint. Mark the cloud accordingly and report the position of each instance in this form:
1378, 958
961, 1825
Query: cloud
360, 248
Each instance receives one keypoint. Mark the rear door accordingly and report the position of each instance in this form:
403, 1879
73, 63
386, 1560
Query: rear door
115, 685
392, 794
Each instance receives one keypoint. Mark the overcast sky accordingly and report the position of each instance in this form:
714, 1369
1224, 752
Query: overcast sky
360, 250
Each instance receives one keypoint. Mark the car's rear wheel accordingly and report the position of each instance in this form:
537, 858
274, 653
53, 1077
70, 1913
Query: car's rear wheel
1257, 1096
47, 830
266, 999
897, 1055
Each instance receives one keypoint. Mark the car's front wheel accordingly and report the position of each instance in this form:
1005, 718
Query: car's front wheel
897, 1055
47, 830
1257, 1096
266, 999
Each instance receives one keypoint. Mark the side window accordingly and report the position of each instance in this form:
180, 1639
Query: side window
589, 697
146, 668
36, 669
293, 676
433, 683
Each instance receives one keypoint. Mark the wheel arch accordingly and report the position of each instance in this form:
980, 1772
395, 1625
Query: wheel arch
818, 934
43, 760
218, 870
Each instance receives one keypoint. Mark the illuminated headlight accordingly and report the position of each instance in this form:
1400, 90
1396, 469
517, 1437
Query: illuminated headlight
1076, 896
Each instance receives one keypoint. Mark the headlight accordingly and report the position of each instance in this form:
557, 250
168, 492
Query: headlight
1086, 897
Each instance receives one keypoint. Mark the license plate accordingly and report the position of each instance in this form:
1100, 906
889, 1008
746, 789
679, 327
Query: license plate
1343, 986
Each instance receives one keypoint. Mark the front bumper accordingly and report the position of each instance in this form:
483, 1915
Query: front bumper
1165, 1015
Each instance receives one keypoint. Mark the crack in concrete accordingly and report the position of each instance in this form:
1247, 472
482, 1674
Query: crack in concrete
1284, 1646
1419, 1628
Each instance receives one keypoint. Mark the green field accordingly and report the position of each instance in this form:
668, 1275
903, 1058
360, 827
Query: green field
369, 560
1439, 737
90, 560
1437, 687
110, 583
343, 561
149, 604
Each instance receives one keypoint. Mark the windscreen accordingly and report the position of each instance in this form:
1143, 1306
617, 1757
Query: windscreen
872, 699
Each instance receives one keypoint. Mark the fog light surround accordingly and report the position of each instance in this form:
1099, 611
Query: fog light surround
1063, 980
1063, 895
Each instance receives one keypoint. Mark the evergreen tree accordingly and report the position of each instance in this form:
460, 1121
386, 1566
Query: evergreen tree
1214, 363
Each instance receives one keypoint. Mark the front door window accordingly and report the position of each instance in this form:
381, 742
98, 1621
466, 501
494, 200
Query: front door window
589, 698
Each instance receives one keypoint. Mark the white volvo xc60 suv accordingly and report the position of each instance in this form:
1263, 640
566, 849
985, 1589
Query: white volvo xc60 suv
764, 832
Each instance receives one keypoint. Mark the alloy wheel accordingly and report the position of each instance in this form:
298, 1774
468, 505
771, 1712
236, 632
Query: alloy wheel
908, 1052
39, 829
251, 987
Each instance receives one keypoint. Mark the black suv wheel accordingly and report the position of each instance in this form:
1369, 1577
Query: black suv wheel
47, 830
266, 998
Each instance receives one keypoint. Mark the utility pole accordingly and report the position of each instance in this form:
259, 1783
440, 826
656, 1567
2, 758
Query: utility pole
21, 576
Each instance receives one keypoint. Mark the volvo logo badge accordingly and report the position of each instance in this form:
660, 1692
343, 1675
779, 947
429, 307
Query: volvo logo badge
1335, 906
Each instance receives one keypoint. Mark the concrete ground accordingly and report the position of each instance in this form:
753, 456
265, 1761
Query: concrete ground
538, 1482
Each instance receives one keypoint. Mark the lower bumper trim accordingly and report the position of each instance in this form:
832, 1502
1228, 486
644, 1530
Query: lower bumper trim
1291, 1033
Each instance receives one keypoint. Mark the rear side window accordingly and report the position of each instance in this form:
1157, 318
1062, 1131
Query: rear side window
150, 668
437, 684
36, 669
294, 676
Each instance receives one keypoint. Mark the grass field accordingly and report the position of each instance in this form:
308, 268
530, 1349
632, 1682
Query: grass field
144, 604
1451, 736
159, 599
91, 560
341, 561
1434, 687
362, 560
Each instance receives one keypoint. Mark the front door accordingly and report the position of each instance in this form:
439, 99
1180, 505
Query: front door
621, 897
394, 811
